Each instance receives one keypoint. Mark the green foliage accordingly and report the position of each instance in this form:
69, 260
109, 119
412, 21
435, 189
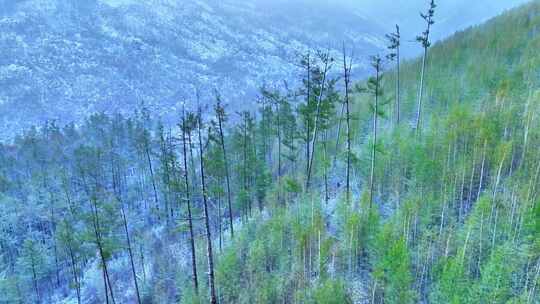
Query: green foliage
9, 288
331, 292
498, 280
228, 275
532, 224
263, 181
291, 185
33, 263
392, 269
453, 285
190, 297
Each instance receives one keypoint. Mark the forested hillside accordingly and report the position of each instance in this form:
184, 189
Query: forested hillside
64, 60
420, 184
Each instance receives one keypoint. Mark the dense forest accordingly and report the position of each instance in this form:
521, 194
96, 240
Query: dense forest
420, 184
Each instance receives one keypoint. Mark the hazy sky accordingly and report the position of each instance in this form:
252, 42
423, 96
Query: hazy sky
451, 15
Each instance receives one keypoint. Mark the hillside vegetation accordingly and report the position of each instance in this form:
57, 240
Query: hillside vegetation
322, 196
66, 60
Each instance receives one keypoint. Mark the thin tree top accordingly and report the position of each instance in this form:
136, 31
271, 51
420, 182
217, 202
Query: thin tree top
423, 38
394, 42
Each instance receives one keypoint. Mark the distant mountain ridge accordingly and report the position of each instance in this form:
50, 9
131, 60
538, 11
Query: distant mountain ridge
62, 60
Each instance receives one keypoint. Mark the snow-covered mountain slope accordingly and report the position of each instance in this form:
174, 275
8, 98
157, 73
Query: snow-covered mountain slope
61, 60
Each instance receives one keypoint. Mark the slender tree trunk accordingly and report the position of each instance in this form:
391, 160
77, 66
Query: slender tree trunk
471, 181
166, 180
398, 87
117, 189
188, 201
316, 125
211, 279
482, 170
278, 121
68, 196
326, 194
224, 151
373, 292
494, 236
531, 191
338, 137
192, 162
220, 228
308, 142
347, 75
421, 91
130, 252
308, 122
156, 201
373, 150
245, 155
462, 193
101, 253
141, 252
75, 273
104, 265
105, 286
53, 228
527, 117
480, 240
264, 132
34, 279
97, 234
55, 247
498, 179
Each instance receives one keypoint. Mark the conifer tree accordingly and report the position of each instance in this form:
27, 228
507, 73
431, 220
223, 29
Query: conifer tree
245, 145
347, 66
145, 147
290, 133
118, 192
424, 40
33, 261
89, 164
265, 127
221, 116
374, 84
394, 40
70, 239
167, 168
326, 61
392, 272
186, 128
263, 177
210, 256
215, 170
307, 110
275, 98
